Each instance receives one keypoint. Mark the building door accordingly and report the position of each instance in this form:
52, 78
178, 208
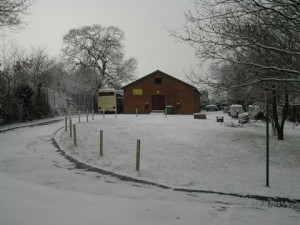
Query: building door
158, 102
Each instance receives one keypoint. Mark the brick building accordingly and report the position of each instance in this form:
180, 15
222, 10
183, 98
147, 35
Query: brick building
157, 90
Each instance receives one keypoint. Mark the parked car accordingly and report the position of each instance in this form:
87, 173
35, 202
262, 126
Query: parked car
211, 108
244, 118
235, 110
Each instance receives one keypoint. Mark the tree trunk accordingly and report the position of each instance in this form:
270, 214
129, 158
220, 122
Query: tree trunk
284, 116
280, 133
274, 110
279, 125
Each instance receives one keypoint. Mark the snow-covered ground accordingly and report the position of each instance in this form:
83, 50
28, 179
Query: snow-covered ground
40, 186
183, 152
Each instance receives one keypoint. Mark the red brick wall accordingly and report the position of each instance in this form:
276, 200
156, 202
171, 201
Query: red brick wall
183, 98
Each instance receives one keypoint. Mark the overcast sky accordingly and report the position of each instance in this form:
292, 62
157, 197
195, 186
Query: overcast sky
144, 22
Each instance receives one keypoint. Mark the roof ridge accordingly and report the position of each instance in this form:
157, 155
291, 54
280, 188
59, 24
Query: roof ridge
159, 71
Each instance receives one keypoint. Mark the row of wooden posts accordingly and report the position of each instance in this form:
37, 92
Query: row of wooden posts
72, 128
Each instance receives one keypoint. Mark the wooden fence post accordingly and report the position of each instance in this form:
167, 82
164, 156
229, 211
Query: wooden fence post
74, 134
101, 142
92, 114
87, 116
53, 97
138, 154
66, 123
70, 120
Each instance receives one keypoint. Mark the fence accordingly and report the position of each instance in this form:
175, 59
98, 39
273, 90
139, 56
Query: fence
73, 134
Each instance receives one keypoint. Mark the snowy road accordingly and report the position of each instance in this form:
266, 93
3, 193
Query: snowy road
40, 186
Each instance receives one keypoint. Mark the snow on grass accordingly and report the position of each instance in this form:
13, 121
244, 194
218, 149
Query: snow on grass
180, 151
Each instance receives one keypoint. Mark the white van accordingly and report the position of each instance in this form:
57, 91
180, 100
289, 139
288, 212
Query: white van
235, 110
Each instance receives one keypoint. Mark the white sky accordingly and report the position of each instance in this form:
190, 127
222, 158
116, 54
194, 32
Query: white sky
144, 22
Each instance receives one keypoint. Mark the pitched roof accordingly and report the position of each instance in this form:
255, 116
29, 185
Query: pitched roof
164, 74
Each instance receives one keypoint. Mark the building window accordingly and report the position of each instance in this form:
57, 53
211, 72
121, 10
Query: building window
157, 80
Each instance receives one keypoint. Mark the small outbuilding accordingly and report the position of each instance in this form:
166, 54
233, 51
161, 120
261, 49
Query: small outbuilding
158, 91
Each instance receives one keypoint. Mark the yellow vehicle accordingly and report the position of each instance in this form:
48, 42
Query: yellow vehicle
110, 100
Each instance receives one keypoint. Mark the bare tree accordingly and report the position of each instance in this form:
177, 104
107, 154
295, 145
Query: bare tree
12, 12
100, 49
123, 73
25, 77
11, 77
259, 40
225, 30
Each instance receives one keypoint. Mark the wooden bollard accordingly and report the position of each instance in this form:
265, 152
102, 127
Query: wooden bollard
53, 97
74, 134
70, 121
138, 154
101, 142
92, 114
87, 116
70, 118
66, 123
